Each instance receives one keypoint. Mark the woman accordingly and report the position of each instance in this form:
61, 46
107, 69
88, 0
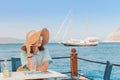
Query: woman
34, 55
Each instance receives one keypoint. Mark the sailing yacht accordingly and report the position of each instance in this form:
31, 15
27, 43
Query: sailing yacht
89, 41
75, 42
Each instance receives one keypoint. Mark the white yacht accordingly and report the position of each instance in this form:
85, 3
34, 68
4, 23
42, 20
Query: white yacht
87, 42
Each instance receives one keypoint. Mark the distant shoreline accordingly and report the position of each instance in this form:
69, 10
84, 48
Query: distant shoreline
9, 40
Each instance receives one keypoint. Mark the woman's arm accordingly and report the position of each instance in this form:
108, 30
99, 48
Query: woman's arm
44, 67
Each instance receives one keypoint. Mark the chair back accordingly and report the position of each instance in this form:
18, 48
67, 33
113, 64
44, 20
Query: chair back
0, 66
16, 62
108, 70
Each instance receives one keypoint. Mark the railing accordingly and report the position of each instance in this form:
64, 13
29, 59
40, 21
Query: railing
74, 65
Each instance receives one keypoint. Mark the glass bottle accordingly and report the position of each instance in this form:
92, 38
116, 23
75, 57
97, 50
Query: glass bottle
5, 69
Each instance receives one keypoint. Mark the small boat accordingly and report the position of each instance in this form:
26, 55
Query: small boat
86, 42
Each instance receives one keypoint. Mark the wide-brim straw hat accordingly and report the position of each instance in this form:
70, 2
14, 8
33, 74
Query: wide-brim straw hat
33, 36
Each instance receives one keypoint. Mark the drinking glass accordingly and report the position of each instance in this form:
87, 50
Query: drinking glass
33, 67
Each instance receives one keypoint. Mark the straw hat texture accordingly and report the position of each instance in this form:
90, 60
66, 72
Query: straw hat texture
33, 36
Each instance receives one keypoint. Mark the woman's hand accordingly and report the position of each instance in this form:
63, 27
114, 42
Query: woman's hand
28, 48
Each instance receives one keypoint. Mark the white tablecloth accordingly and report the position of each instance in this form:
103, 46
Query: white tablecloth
32, 75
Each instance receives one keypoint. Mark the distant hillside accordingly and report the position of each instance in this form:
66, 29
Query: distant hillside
5, 40
114, 36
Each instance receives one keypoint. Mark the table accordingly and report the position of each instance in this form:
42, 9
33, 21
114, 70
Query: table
33, 75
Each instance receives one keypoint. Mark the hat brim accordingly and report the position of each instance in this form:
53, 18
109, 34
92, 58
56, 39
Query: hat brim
40, 35
45, 36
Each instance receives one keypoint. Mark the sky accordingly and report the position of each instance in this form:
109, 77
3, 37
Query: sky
96, 18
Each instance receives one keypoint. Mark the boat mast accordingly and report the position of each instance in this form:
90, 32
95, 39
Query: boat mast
67, 28
70, 27
87, 26
61, 27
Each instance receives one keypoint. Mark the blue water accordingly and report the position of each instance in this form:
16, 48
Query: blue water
102, 53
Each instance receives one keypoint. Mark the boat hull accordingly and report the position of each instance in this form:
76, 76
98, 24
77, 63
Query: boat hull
79, 44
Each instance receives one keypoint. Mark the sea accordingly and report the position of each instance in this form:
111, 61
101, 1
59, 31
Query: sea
102, 52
